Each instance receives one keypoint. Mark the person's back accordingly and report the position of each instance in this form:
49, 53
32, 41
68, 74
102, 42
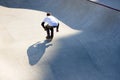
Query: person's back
52, 21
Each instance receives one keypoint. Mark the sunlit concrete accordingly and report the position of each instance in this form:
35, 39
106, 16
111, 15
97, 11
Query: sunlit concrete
85, 48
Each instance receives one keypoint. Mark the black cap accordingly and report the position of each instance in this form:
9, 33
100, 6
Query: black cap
48, 13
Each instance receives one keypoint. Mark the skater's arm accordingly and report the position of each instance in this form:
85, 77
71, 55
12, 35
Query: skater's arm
42, 24
57, 28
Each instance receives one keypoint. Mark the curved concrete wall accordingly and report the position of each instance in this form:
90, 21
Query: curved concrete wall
74, 13
90, 55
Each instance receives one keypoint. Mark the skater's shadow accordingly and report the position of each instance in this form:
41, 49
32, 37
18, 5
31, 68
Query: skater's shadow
36, 51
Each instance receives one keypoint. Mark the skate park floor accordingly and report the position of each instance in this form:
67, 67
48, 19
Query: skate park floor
85, 48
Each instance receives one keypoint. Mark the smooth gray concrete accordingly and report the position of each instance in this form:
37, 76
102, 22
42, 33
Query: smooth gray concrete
112, 3
91, 54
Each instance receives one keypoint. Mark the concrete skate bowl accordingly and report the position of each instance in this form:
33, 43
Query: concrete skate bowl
94, 53
74, 15
113, 4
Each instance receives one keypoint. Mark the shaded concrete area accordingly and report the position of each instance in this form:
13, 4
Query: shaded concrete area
36, 51
113, 3
86, 48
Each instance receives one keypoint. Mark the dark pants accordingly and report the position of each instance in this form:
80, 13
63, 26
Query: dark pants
50, 32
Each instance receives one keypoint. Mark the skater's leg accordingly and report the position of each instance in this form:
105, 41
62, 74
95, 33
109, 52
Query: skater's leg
52, 33
48, 33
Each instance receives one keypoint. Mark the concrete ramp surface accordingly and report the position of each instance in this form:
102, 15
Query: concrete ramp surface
87, 47
112, 3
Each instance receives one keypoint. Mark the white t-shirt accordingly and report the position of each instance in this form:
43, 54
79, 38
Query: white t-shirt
50, 20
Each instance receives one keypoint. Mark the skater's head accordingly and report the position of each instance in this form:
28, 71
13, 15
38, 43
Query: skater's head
48, 14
